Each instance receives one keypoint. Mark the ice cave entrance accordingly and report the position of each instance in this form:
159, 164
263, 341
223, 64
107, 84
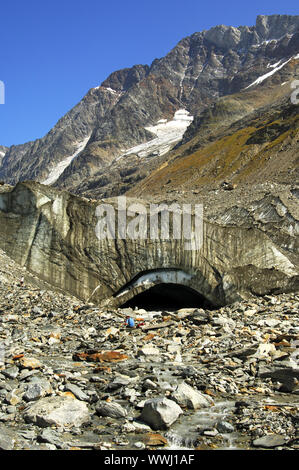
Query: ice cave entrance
167, 297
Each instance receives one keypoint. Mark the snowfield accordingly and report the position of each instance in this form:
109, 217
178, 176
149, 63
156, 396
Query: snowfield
168, 133
275, 67
61, 166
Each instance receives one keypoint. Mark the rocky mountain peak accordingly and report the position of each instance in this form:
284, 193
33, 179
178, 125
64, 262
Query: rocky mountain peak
266, 28
124, 79
225, 37
276, 26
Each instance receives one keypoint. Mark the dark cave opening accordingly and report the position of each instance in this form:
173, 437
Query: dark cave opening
168, 297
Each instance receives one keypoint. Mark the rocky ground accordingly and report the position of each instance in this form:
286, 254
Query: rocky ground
73, 376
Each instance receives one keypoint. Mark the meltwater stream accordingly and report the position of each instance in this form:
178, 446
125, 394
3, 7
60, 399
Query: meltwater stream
192, 428
186, 433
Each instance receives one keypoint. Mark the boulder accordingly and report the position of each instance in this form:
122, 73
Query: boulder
113, 410
188, 397
160, 413
60, 411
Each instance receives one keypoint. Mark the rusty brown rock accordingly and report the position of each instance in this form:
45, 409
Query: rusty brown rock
104, 356
155, 439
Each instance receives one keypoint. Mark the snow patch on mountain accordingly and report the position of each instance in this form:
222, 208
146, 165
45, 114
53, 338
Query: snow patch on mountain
273, 66
168, 134
114, 92
267, 75
2, 155
61, 166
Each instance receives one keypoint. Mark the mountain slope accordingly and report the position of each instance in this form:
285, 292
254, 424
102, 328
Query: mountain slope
113, 128
257, 149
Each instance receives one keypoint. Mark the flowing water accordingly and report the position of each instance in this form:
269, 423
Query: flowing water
185, 433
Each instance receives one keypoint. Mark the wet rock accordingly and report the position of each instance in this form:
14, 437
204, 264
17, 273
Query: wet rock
154, 440
128, 427
141, 427
139, 445
160, 413
211, 432
224, 427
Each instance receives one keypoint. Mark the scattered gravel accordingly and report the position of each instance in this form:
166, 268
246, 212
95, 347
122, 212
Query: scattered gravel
75, 376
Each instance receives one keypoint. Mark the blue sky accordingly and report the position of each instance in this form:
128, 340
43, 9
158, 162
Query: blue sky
52, 52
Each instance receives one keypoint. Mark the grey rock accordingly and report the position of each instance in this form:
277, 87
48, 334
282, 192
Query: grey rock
139, 445
51, 437
287, 376
28, 435
11, 372
149, 385
11, 409
6, 443
37, 311
188, 397
270, 441
36, 390
187, 371
211, 432
25, 373
58, 411
148, 351
6, 439
117, 383
80, 394
224, 427
199, 317
113, 410
160, 413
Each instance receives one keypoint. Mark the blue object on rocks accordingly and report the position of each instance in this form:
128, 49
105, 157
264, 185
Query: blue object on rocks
130, 322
